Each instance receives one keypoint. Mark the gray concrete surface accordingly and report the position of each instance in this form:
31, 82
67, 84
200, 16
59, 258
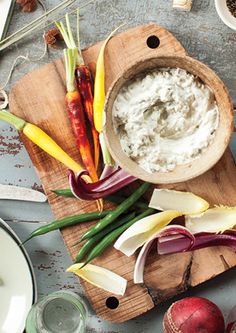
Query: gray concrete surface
206, 38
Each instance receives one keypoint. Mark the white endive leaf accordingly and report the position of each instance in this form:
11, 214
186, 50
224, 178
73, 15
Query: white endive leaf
136, 235
185, 202
216, 219
100, 277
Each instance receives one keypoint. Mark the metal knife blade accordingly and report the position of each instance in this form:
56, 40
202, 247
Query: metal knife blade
9, 192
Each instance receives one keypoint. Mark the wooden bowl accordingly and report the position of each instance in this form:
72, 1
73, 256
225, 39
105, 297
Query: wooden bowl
209, 157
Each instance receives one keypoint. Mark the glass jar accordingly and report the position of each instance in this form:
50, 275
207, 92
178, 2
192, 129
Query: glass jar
59, 312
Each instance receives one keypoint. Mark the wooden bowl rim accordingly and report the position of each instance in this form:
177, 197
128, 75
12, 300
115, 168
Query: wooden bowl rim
182, 172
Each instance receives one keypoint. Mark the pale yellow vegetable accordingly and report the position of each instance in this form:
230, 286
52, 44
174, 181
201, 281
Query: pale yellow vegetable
136, 235
185, 202
99, 99
185, 5
100, 277
216, 219
42, 140
99, 85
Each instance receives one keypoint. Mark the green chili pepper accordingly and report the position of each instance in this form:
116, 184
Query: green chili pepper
112, 198
111, 237
126, 204
66, 222
93, 241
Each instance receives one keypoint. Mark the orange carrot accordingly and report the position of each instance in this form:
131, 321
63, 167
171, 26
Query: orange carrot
84, 81
76, 114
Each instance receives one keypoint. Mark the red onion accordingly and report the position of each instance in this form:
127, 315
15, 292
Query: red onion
107, 171
166, 232
182, 243
231, 321
92, 191
193, 315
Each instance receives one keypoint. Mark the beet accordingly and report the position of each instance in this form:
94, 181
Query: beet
193, 315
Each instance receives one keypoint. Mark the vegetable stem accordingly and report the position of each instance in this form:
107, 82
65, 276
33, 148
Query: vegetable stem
11, 119
62, 29
70, 64
107, 159
71, 38
67, 35
78, 37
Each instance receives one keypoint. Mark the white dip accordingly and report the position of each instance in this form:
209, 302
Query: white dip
165, 118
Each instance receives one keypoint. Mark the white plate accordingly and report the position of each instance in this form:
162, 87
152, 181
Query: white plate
225, 14
17, 282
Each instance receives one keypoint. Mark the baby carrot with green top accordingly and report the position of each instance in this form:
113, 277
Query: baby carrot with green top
84, 80
76, 114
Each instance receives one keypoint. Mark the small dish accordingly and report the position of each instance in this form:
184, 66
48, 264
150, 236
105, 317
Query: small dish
222, 135
224, 14
18, 286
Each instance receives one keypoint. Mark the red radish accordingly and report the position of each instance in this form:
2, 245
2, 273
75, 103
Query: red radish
231, 328
193, 315
231, 321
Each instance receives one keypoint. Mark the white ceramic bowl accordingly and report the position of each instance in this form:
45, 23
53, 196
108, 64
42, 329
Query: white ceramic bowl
225, 14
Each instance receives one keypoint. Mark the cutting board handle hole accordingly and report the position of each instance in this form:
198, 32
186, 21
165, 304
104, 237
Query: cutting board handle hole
112, 303
153, 42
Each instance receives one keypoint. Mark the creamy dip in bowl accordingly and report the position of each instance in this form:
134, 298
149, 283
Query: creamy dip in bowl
168, 119
165, 118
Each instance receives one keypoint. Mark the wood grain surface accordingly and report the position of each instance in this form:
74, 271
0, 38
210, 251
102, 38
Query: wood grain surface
43, 104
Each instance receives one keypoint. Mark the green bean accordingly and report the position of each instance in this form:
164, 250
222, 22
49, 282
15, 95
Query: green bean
126, 204
66, 192
118, 199
111, 237
93, 241
112, 198
66, 222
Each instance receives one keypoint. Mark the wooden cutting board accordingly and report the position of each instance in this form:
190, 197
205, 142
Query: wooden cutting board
39, 98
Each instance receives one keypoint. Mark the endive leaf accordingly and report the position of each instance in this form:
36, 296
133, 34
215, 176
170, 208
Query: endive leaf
216, 219
136, 235
100, 277
185, 202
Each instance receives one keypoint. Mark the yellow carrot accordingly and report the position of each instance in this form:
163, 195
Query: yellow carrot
99, 85
46, 143
42, 140
99, 99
